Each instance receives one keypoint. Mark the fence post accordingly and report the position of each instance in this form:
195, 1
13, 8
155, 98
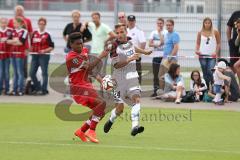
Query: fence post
116, 8
219, 14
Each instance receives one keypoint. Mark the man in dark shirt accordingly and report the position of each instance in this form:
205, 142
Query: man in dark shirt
233, 89
231, 36
75, 26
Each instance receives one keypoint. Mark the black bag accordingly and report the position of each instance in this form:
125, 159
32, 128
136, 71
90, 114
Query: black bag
189, 97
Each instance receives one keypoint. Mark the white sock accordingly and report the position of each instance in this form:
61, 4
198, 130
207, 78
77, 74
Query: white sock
218, 97
96, 118
135, 115
113, 115
88, 122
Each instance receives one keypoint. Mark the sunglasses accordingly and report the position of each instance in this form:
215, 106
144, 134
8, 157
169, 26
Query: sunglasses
121, 17
208, 39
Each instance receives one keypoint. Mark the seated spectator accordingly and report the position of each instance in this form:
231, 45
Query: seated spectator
197, 85
233, 88
41, 46
237, 44
219, 79
174, 85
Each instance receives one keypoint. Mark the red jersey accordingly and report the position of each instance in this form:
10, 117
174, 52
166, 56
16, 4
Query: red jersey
4, 47
41, 41
74, 62
19, 51
28, 25
81, 89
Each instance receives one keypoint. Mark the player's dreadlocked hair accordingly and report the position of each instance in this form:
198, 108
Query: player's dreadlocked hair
74, 36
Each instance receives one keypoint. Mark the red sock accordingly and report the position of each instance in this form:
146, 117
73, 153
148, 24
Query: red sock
85, 127
93, 125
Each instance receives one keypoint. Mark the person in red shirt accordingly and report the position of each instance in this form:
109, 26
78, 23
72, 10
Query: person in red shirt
18, 48
19, 12
41, 46
5, 34
81, 89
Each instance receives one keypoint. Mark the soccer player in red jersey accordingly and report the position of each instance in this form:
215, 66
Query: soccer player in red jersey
5, 34
41, 46
81, 88
19, 38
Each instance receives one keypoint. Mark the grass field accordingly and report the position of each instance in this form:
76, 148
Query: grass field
30, 131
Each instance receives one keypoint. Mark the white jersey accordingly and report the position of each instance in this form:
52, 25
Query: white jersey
128, 72
127, 76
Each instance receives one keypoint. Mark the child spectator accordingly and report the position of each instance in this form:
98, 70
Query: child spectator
219, 78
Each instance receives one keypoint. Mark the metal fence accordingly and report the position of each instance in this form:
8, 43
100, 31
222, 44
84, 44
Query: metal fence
188, 15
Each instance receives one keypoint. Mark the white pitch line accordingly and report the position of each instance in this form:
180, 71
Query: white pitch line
121, 147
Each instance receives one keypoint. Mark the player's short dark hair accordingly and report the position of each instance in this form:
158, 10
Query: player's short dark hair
75, 36
43, 19
171, 21
96, 13
160, 19
120, 25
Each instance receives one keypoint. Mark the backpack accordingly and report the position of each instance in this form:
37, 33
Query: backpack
189, 97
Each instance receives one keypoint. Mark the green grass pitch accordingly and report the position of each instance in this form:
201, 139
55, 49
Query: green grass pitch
32, 131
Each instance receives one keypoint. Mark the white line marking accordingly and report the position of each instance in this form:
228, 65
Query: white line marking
121, 147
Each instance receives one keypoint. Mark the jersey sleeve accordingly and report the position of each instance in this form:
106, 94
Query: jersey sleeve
115, 54
49, 40
24, 37
74, 63
29, 25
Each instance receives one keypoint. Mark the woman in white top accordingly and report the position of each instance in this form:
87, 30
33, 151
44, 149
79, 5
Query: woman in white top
208, 47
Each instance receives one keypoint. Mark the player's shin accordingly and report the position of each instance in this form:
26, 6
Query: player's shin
135, 114
113, 115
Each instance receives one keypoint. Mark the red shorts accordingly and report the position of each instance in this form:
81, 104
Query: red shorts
85, 95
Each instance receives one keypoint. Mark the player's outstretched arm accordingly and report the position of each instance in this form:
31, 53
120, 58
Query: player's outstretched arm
142, 51
98, 59
121, 64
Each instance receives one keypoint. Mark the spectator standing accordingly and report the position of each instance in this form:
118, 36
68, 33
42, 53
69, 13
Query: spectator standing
75, 26
122, 18
138, 39
100, 34
208, 48
19, 12
156, 40
237, 44
170, 51
18, 50
231, 36
5, 34
41, 46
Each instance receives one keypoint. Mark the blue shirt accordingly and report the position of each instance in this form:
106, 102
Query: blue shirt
171, 39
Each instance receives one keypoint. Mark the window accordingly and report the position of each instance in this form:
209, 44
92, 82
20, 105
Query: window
199, 9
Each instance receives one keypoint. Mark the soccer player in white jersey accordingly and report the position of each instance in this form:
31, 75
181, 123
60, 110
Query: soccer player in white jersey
124, 56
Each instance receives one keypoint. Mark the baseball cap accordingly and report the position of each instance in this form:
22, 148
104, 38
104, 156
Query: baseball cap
222, 65
131, 18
